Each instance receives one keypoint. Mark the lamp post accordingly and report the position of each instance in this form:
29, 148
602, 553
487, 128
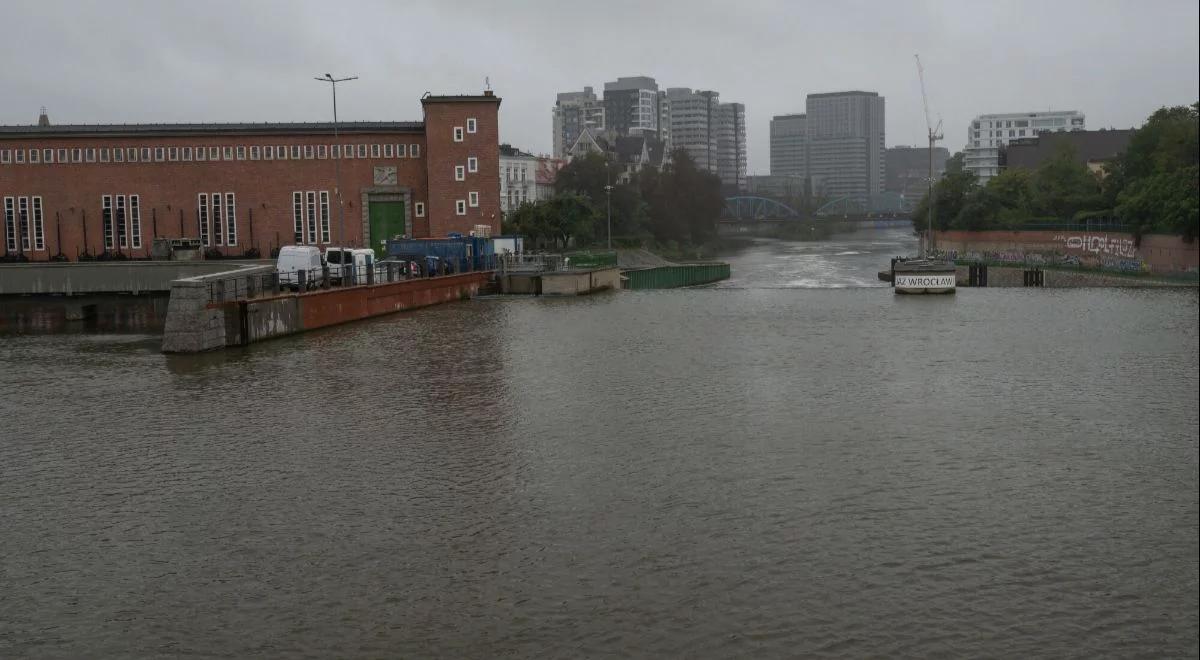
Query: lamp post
337, 167
608, 196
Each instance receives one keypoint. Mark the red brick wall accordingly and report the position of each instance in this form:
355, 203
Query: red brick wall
442, 115
70, 190
1167, 255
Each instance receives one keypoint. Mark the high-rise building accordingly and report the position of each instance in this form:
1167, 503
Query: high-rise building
989, 134
789, 145
574, 112
846, 145
729, 124
631, 107
691, 124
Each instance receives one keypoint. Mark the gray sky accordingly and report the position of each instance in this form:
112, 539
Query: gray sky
116, 61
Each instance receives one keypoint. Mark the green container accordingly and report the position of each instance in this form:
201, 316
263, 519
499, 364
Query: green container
671, 277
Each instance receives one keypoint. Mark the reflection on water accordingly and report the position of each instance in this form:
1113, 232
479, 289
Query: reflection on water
708, 472
845, 260
106, 314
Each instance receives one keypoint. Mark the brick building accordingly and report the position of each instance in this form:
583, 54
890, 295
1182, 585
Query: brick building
89, 189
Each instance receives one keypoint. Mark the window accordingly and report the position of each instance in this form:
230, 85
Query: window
281, 152
460, 207
227, 153
230, 220
106, 221
77, 156
322, 151
135, 221
473, 198
218, 231
335, 151
63, 157
375, 151
458, 133
348, 151
202, 218
48, 155
325, 216
201, 153
255, 152
118, 155
10, 224
19, 156
472, 125
362, 151
472, 164
419, 209
298, 217
400, 151
159, 153
387, 151
23, 221
295, 152
269, 152
172, 153
414, 150
460, 173
5, 156
310, 214
241, 152
214, 153
308, 152
35, 156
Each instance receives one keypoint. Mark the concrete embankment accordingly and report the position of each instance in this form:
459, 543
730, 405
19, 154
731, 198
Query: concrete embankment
199, 320
1009, 276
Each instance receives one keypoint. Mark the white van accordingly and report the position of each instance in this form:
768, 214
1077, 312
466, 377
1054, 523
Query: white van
362, 259
295, 258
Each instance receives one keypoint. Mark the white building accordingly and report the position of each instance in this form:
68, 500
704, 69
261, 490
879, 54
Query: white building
518, 178
989, 134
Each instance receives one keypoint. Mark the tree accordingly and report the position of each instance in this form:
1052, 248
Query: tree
1062, 186
954, 164
1157, 180
949, 194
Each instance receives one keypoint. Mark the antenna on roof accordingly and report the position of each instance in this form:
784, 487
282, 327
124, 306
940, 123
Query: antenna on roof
487, 83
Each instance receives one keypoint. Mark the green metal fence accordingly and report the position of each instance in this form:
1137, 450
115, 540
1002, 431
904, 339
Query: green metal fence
592, 259
670, 277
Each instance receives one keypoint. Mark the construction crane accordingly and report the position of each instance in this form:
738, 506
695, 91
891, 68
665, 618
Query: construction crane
934, 136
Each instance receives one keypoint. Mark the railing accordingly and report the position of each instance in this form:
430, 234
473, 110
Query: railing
243, 287
523, 263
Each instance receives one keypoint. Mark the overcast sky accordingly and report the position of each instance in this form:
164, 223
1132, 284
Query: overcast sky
168, 61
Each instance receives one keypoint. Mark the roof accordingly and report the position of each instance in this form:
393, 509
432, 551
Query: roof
509, 151
796, 115
1089, 146
630, 148
486, 97
849, 93
266, 128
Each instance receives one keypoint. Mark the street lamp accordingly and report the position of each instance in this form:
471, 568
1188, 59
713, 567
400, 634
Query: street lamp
608, 195
337, 167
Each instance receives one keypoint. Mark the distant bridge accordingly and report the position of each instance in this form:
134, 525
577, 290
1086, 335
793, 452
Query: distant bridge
748, 214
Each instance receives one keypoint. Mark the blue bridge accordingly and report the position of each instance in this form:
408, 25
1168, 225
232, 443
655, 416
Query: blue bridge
749, 214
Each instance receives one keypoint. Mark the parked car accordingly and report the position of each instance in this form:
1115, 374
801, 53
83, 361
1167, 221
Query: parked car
340, 260
299, 258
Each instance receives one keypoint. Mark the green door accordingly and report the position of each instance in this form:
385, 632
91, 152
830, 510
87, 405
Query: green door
387, 221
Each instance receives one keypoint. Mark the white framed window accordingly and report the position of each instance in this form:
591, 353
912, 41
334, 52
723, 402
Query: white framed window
35, 156
23, 221
308, 152
77, 155
202, 217
348, 151
419, 209
322, 151
48, 155
131, 155
269, 152
19, 156
6, 158
460, 207
375, 151
39, 231
89, 155
214, 153
118, 154
255, 152
325, 216
460, 173
335, 151
295, 152
281, 152
160, 154
298, 217
106, 221
472, 164
172, 153
10, 224
472, 125
400, 151
241, 152
105, 155
473, 198
362, 151
135, 221
387, 151
63, 156
230, 220
218, 230
458, 133
201, 153
310, 214
414, 150
185, 153
227, 153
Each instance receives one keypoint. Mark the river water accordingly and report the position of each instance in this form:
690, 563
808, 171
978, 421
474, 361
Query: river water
790, 464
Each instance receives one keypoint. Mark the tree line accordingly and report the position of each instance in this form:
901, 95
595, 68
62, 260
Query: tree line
681, 204
1152, 187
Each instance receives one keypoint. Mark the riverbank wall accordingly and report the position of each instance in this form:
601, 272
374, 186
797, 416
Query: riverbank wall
671, 277
196, 323
1168, 256
1065, 278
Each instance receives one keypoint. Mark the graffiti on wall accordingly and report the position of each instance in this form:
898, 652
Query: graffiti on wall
1098, 244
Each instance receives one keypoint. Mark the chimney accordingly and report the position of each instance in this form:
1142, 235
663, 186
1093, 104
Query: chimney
43, 119
488, 92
